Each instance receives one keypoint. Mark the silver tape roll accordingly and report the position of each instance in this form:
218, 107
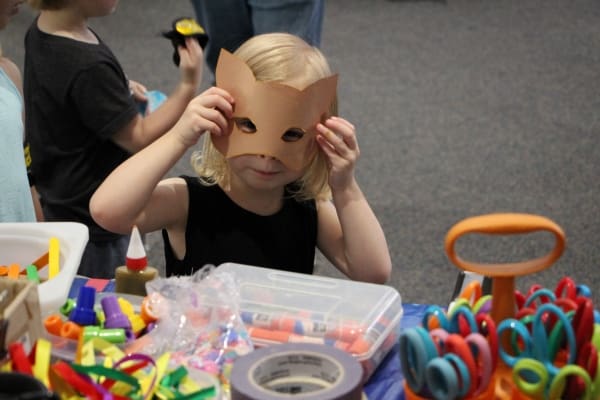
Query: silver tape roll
296, 370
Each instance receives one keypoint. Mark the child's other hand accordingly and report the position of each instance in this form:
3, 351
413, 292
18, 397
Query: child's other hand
190, 63
207, 112
138, 91
337, 139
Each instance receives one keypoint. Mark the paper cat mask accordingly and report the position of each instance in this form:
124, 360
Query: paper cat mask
271, 118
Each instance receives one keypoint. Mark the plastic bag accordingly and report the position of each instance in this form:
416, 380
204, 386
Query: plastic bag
198, 322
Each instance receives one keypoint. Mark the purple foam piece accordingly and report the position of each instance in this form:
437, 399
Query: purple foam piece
113, 316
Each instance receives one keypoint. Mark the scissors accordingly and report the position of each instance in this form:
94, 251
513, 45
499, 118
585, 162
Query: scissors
445, 365
435, 317
535, 344
542, 294
587, 358
479, 333
464, 367
472, 296
416, 349
567, 287
583, 321
463, 322
532, 378
534, 364
581, 315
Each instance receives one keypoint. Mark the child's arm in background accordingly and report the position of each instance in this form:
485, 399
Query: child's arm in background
140, 132
349, 234
133, 194
14, 74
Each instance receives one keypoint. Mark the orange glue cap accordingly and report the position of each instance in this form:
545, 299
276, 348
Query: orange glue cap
136, 254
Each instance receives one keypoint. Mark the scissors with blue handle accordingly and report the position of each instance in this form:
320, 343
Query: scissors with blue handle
458, 370
417, 349
534, 364
450, 377
434, 317
445, 365
582, 321
463, 321
583, 290
543, 295
460, 321
535, 344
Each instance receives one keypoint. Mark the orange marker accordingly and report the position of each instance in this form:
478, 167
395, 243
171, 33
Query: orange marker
359, 346
345, 331
267, 334
13, 271
40, 262
277, 336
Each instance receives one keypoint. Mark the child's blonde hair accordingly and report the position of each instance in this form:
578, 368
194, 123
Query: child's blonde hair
283, 58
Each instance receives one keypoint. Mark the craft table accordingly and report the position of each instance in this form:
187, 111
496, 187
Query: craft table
386, 381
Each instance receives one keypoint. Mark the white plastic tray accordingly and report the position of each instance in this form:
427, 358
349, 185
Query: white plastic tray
25, 242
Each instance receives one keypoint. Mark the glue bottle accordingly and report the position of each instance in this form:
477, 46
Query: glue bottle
131, 278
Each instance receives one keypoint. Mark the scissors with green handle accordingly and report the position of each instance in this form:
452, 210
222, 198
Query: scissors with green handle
533, 378
536, 370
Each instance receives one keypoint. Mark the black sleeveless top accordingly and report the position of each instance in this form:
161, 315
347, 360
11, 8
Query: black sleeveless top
219, 231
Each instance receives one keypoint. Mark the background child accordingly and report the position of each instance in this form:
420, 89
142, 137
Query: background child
251, 208
229, 23
16, 201
82, 119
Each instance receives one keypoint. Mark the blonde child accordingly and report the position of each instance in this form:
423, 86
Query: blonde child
254, 207
82, 119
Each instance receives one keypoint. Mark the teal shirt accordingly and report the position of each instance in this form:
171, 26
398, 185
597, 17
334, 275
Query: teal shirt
16, 204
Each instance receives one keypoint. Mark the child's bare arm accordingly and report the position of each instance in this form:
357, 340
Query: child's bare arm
349, 234
134, 193
142, 131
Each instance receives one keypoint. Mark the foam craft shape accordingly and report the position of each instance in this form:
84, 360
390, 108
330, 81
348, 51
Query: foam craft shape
274, 108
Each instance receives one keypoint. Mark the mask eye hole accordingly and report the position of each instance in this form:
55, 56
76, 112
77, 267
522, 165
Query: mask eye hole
245, 125
292, 135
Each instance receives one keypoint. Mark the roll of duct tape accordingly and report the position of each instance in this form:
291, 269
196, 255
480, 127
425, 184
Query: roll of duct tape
299, 370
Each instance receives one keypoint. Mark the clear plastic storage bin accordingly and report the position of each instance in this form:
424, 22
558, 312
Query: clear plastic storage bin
278, 306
